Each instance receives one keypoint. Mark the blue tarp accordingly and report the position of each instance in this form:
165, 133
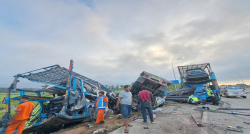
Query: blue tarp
199, 90
175, 82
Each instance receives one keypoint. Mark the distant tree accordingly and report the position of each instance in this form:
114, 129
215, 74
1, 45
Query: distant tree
122, 87
45, 88
113, 87
117, 87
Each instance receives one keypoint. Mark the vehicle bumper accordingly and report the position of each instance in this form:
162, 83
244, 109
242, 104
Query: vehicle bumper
236, 94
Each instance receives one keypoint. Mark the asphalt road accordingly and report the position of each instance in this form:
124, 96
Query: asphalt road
176, 119
238, 102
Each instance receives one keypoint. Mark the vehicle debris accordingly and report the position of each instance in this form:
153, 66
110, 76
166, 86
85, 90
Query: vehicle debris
155, 84
186, 91
74, 103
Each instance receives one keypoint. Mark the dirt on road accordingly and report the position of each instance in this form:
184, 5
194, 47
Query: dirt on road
111, 124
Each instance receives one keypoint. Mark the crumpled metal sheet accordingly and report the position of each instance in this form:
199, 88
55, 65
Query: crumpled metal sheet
56, 75
81, 102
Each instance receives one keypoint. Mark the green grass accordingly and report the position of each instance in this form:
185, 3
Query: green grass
15, 103
172, 87
118, 91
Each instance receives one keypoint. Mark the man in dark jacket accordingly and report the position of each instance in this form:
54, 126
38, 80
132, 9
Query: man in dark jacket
146, 99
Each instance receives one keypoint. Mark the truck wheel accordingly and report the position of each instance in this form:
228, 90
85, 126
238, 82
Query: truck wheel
92, 113
244, 96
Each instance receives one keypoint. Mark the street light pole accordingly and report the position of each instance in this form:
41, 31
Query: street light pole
241, 79
173, 65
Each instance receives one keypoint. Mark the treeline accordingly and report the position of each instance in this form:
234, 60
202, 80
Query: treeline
112, 87
117, 87
4, 89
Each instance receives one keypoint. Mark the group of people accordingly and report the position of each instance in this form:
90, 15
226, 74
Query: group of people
125, 103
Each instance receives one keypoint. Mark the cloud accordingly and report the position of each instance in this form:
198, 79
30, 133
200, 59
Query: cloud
113, 41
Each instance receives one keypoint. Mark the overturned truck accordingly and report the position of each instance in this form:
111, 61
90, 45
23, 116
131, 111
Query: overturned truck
193, 79
75, 99
155, 84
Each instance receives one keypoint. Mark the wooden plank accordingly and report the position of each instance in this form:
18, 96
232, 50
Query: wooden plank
197, 122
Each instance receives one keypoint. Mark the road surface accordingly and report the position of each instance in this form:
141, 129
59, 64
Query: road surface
176, 119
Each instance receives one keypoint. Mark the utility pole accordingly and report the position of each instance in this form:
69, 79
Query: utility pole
173, 66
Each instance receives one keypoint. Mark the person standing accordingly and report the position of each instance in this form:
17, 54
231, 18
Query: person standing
23, 113
101, 106
125, 101
146, 99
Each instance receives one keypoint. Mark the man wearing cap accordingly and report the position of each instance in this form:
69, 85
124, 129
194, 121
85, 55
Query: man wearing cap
101, 106
23, 113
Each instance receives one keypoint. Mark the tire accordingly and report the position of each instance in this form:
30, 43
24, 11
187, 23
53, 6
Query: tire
244, 96
92, 113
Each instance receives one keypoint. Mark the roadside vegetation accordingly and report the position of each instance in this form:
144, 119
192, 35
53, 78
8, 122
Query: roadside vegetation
15, 103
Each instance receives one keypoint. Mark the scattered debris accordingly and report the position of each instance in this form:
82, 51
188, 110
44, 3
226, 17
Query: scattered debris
177, 112
154, 116
100, 131
170, 102
145, 127
248, 123
119, 116
138, 117
224, 104
218, 110
197, 122
236, 129
90, 125
158, 110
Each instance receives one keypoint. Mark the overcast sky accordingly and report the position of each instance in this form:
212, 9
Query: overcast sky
114, 41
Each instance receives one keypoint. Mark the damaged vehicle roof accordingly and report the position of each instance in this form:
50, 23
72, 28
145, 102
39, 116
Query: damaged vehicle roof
57, 75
